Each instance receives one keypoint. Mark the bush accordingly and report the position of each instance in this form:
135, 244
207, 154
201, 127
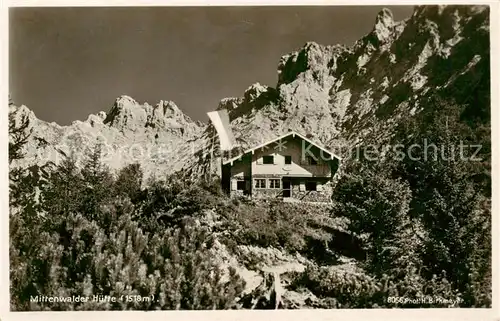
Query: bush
377, 208
95, 245
290, 227
341, 289
166, 203
426, 213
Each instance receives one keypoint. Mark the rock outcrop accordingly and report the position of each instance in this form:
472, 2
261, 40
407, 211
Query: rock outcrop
342, 96
158, 137
337, 95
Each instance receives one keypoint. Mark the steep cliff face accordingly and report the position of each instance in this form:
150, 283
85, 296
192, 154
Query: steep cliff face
155, 136
337, 95
343, 95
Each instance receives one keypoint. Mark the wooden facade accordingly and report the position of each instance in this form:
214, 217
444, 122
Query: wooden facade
288, 167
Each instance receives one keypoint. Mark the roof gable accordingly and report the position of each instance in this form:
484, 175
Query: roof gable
291, 133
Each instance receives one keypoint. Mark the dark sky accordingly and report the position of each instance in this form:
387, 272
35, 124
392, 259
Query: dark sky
66, 63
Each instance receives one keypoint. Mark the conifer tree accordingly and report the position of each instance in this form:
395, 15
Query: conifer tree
19, 134
62, 194
377, 208
129, 181
97, 183
451, 191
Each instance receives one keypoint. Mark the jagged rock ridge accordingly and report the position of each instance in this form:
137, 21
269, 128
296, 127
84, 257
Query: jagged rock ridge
337, 95
155, 136
334, 94
342, 96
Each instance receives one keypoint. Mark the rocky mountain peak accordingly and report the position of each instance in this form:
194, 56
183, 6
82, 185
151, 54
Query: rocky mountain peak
346, 95
254, 91
122, 111
130, 132
22, 112
384, 24
169, 109
338, 94
229, 103
312, 56
127, 114
124, 100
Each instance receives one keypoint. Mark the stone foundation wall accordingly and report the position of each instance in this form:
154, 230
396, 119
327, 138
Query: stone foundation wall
311, 196
322, 195
238, 193
267, 193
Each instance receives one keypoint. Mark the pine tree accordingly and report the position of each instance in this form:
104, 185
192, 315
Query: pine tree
19, 134
97, 184
129, 181
377, 208
73, 253
426, 216
450, 190
63, 192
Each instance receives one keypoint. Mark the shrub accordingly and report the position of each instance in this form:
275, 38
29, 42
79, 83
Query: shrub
429, 213
341, 288
95, 245
377, 208
287, 226
173, 269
